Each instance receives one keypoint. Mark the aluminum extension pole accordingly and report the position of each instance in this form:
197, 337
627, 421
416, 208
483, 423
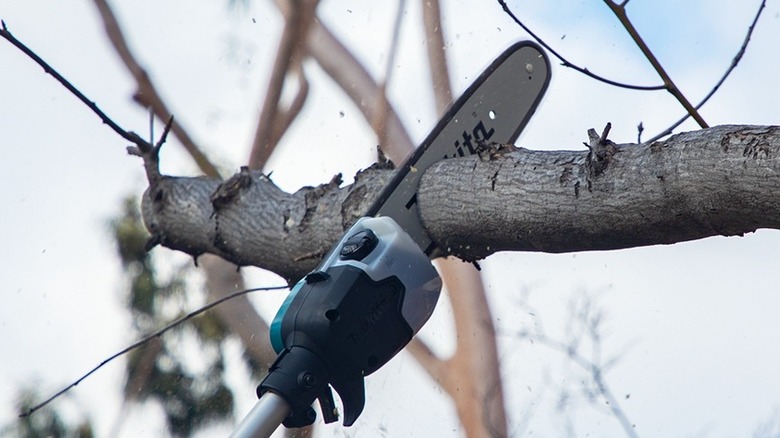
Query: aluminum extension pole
264, 418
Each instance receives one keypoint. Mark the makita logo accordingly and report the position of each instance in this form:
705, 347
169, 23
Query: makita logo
469, 141
374, 314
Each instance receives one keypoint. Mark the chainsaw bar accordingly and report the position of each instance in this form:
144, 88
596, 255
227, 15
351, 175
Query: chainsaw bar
495, 108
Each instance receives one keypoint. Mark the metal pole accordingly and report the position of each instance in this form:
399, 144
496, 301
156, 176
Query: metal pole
264, 418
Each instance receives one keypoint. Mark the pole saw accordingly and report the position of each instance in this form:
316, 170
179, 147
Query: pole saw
377, 287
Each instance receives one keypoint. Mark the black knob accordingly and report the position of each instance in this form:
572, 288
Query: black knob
359, 245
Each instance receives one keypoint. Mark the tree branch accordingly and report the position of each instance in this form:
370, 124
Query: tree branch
437, 55
355, 80
584, 327
568, 64
734, 62
287, 116
273, 122
378, 122
428, 360
127, 135
718, 181
620, 12
479, 402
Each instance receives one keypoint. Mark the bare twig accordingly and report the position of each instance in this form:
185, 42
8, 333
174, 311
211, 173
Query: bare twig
147, 338
141, 147
584, 322
620, 12
127, 135
596, 373
734, 62
566, 63
147, 94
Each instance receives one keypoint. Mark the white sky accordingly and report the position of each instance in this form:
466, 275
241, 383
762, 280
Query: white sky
696, 322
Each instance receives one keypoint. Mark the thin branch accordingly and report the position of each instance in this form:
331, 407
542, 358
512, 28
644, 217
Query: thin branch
584, 321
136, 382
146, 339
620, 13
127, 135
141, 147
262, 146
595, 372
147, 94
566, 63
734, 62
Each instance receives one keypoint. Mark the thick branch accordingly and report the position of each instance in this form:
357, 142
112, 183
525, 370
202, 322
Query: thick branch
717, 181
255, 222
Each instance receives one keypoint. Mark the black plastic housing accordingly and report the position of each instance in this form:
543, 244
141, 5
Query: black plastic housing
350, 325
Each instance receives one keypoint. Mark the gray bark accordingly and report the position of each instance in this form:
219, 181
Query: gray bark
717, 181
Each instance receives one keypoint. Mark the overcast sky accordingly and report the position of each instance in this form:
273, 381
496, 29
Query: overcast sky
695, 323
